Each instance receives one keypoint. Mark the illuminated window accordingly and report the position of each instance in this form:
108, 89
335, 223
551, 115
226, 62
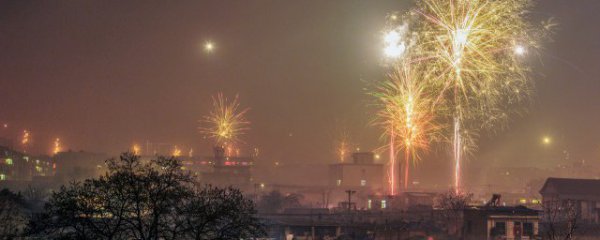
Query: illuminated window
523, 200
535, 201
2, 177
369, 204
38, 168
383, 204
363, 183
9, 161
339, 182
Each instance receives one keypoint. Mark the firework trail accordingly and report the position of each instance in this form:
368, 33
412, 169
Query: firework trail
407, 116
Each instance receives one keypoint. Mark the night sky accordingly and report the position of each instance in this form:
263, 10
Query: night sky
104, 74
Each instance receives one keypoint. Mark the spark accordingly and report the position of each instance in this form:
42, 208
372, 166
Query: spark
342, 150
25, 138
226, 122
392, 163
57, 146
342, 144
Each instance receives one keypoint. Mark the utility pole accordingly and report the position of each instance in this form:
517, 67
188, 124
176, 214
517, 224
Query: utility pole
350, 192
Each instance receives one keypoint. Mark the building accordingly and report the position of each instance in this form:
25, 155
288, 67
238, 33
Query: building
583, 193
73, 165
323, 223
500, 222
362, 176
362, 172
229, 170
19, 166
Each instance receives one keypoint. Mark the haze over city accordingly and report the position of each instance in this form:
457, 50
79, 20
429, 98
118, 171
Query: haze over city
104, 74
308, 82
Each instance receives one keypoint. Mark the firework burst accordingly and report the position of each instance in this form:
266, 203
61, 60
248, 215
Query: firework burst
226, 122
342, 143
467, 56
136, 149
57, 146
407, 116
472, 48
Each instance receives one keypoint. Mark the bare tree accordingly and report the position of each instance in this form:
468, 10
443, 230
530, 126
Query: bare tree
560, 219
218, 213
451, 206
13, 216
275, 202
146, 200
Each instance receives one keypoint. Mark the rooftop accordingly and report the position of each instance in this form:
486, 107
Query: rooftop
571, 186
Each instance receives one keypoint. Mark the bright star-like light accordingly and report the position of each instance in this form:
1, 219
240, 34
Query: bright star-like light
394, 47
546, 140
209, 46
520, 50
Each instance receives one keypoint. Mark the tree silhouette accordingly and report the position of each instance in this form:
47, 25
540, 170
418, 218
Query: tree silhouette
13, 214
147, 200
274, 202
